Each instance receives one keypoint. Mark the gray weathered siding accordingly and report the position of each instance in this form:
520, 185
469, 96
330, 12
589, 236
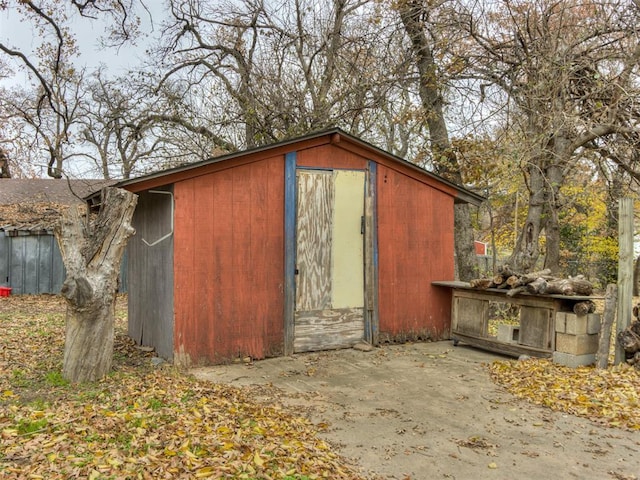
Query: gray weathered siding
32, 264
150, 274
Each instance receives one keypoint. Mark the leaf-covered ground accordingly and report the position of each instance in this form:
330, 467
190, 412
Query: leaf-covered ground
610, 397
141, 421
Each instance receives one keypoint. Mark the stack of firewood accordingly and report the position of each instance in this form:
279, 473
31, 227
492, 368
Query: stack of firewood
539, 283
629, 339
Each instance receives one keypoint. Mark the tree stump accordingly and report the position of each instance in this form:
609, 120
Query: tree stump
92, 252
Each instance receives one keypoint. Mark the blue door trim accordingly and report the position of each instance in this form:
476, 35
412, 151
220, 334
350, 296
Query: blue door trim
289, 249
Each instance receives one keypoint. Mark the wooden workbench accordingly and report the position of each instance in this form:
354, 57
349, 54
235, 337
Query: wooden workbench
470, 318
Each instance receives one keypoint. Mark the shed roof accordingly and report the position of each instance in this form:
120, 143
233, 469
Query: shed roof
33, 205
334, 135
40, 190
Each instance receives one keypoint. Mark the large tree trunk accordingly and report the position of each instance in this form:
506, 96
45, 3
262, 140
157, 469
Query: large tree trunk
4, 165
445, 160
527, 250
554, 174
466, 259
92, 252
636, 277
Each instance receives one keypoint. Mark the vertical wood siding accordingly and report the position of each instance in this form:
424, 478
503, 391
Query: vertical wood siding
330, 156
415, 247
31, 264
229, 264
150, 275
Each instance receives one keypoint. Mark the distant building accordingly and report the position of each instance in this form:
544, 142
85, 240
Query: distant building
480, 247
30, 261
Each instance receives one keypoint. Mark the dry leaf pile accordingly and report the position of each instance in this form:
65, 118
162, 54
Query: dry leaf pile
142, 421
610, 397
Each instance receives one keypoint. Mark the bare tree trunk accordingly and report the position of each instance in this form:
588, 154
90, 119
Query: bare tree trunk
636, 277
554, 179
527, 250
412, 13
4, 165
463, 243
88, 350
92, 252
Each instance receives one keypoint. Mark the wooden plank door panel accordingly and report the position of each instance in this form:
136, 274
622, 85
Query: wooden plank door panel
329, 309
314, 239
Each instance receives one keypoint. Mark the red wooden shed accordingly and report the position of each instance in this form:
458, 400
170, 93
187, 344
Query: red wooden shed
313, 243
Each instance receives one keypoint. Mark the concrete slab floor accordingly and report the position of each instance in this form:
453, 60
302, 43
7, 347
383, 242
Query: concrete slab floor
430, 411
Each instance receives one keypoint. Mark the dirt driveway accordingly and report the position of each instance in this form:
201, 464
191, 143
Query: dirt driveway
430, 411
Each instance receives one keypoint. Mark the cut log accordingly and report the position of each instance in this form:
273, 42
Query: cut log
527, 278
482, 283
538, 286
629, 340
515, 291
583, 308
498, 279
635, 360
512, 281
570, 286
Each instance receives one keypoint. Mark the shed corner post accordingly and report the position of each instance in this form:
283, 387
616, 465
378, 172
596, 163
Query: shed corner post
371, 257
289, 250
625, 271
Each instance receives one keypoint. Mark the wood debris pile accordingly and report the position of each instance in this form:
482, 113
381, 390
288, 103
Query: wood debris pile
30, 216
537, 283
629, 339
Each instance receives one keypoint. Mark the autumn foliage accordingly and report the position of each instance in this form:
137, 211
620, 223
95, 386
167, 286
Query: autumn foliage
608, 396
140, 421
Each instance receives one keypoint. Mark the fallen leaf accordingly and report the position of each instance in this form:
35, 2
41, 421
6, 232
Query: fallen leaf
139, 421
606, 396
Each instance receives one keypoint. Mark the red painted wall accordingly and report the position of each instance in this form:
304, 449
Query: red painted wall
415, 247
228, 263
330, 156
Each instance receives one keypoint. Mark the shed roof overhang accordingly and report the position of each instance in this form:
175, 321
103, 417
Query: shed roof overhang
334, 136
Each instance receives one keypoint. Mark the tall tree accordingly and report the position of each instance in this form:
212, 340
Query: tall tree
91, 250
123, 126
274, 70
568, 72
415, 15
49, 110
